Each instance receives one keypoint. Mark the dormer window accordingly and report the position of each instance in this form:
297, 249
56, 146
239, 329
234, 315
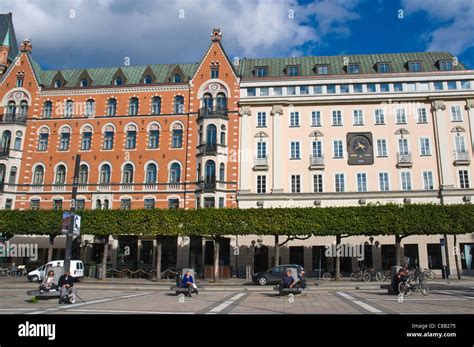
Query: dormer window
293, 70
118, 81
414, 66
383, 67
261, 71
445, 65
148, 79
57, 84
177, 78
84, 82
322, 69
353, 68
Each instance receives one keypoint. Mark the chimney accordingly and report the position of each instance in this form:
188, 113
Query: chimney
26, 46
4, 50
216, 35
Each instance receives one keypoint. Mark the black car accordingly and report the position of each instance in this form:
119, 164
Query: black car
276, 273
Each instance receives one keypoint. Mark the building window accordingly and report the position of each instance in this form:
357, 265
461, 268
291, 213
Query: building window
406, 180
438, 85
90, 108
177, 136
38, 175
127, 176
403, 147
83, 174
317, 89
60, 175
80, 204
425, 148
318, 183
215, 72
222, 172
293, 70
69, 109
414, 66
156, 105
177, 78
344, 88
322, 69
261, 184
353, 68
384, 87
336, 118
339, 180
291, 90
261, 119
261, 149
126, 204
338, 149
452, 85
178, 106
17, 144
64, 141
148, 79
317, 149
149, 203
398, 87
294, 119
384, 184
379, 116
295, 150
118, 81
133, 107
131, 139
86, 140
463, 179
34, 204
428, 180
295, 183
19, 82
358, 117
261, 71
382, 148
456, 115
173, 203
460, 144
221, 202
465, 84
57, 204
109, 140
175, 173
358, 88
446, 65
401, 116
151, 173
252, 91
47, 109
153, 138
371, 88
12, 178
361, 182
331, 89
316, 119
43, 142
57, 84
264, 91
111, 107
383, 67
422, 117
304, 90
105, 174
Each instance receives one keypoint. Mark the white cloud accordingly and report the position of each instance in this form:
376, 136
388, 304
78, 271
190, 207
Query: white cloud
457, 23
104, 32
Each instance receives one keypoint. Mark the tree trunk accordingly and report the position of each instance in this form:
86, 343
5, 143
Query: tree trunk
216, 259
398, 250
338, 259
51, 248
277, 250
456, 256
158, 258
103, 272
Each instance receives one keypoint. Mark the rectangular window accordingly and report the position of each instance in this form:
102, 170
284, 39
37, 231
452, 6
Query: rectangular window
456, 115
149, 204
339, 181
277, 91
384, 184
177, 141
338, 149
154, 138
80, 204
421, 115
318, 183
264, 91
126, 204
43, 142
293, 71
221, 202
317, 89
109, 140
214, 72
317, 149
261, 150
64, 142
304, 90
452, 85
353, 68
344, 88
398, 87
251, 91
131, 140
336, 117
438, 85
173, 203
403, 147
322, 69
464, 179
261, 119
465, 84
411, 87
414, 66
57, 204
261, 71
34, 204
383, 67
316, 119
460, 144
358, 117
86, 141
446, 65
406, 180
8, 204
371, 88
425, 148
428, 180
424, 86
361, 182
261, 184
295, 150
294, 119
382, 148
384, 87
295, 183
358, 88
291, 90
401, 116
209, 202
379, 116
331, 89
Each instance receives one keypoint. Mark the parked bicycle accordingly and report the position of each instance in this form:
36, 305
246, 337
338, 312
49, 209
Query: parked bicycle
428, 274
361, 274
379, 276
414, 282
327, 276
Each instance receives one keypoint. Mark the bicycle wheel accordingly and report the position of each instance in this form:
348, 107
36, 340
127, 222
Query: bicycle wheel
367, 277
424, 288
380, 277
327, 276
429, 275
353, 276
403, 288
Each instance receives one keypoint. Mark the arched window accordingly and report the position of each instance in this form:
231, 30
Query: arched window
17, 144
60, 175
86, 138
23, 109
118, 81
178, 106
156, 105
68, 109
3, 171
175, 173
98, 204
6, 141
131, 137
222, 172
221, 101
148, 79
177, 78
11, 110
105, 174
43, 139
127, 173
84, 82
47, 109
57, 84
177, 136
222, 142
106, 204
210, 171
90, 108
12, 178
211, 136
133, 107
207, 102
111, 107
109, 138
38, 175
154, 136
64, 139
83, 174
151, 173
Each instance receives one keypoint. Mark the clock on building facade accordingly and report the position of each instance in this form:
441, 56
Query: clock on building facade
360, 148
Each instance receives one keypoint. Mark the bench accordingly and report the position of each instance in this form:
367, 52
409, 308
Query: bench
44, 295
179, 290
297, 288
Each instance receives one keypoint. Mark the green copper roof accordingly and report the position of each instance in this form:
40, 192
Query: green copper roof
7, 31
367, 63
6, 41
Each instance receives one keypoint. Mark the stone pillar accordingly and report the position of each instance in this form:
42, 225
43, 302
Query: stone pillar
139, 251
247, 152
182, 258
440, 122
470, 114
278, 147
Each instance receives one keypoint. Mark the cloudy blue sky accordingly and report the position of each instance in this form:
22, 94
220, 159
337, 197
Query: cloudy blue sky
88, 33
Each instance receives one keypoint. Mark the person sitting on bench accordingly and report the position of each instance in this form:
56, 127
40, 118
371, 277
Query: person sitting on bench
288, 281
188, 282
66, 285
48, 283
401, 276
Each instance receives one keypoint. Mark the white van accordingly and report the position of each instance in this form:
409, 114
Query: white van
76, 267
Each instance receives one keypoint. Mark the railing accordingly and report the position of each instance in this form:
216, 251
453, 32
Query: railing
59, 187
12, 118
462, 157
126, 186
103, 187
261, 162
207, 149
4, 152
404, 159
151, 187
213, 112
114, 187
316, 161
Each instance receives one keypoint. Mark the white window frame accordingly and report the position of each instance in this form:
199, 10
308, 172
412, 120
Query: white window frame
379, 181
